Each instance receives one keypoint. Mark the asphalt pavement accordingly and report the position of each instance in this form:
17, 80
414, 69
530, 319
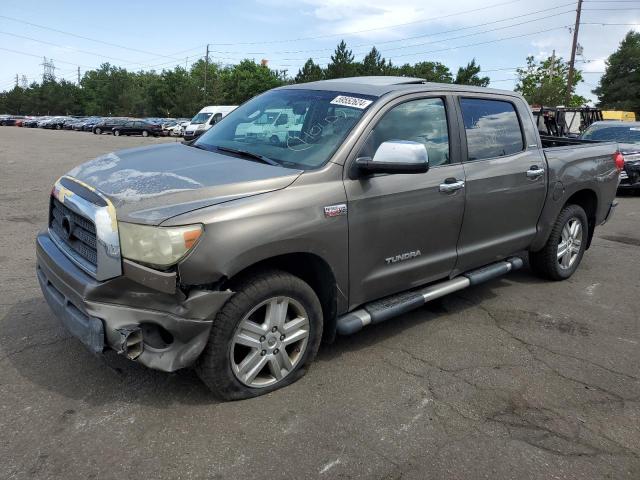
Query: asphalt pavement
516, 378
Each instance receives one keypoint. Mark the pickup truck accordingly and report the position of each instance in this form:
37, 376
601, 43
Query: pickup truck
238, 255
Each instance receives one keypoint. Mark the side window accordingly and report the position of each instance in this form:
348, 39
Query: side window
216, 118
423, 121
492, 128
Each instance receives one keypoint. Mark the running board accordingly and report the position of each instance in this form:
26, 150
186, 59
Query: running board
389, 307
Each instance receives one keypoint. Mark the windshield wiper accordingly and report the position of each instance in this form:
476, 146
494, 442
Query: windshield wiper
248, 154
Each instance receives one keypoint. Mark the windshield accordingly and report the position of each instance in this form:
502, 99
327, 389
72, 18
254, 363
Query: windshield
296, 128
200, 118
613, 133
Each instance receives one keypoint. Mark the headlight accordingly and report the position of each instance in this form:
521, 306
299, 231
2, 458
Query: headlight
157, 246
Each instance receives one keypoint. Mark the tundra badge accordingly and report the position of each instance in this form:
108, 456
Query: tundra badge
402, 257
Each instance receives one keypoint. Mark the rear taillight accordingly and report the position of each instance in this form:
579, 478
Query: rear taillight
618, 158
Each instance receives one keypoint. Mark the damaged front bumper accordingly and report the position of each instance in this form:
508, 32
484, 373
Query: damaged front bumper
164, 331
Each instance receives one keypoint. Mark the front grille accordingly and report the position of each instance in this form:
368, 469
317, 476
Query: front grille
76, 231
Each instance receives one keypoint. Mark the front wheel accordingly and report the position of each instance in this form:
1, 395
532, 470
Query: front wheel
116, 133
563, 252
263, 338
98, 131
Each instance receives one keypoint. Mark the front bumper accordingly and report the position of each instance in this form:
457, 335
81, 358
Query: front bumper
101, 313
193, 134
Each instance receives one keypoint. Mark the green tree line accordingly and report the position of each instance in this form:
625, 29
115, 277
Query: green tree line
112, 90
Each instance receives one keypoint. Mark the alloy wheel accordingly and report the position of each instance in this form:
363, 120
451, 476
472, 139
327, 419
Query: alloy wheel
570, 243
269, 342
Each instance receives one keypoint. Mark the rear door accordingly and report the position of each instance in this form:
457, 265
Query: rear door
506, 179
403, 228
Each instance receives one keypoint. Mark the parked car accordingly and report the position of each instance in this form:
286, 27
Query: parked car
31, 122
89, 124
9, 120
107, 125
627, 134
137, 127
56, 123
239, 256
205, 119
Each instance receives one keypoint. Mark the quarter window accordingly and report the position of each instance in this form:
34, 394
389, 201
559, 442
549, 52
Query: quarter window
492, 128
423, 121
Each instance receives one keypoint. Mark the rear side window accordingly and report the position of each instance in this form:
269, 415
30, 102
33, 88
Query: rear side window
492, 128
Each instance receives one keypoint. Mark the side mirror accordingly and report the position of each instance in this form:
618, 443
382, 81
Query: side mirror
396, 156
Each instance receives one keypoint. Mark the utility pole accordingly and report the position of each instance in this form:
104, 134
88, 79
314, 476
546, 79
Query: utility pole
572, 62
206, 69
48, 69
78, 74
16, 79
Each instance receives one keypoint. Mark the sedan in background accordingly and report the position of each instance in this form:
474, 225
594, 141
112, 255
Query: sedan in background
107, 125
138, 127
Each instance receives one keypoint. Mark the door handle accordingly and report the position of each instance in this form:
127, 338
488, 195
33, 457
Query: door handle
535, 172
451, 186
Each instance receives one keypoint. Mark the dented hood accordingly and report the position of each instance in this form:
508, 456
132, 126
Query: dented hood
151, 184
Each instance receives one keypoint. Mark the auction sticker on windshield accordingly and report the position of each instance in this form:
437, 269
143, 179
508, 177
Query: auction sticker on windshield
354, 102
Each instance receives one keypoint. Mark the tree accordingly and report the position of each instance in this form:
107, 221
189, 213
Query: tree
469, 75
545, 82
373, 64
245, 80
433, 72
342, 64
619, 87
310, 72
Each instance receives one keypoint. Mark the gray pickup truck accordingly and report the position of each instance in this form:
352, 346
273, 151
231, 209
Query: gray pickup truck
239, 252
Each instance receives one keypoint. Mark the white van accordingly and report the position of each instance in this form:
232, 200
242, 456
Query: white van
205, 119
273, 126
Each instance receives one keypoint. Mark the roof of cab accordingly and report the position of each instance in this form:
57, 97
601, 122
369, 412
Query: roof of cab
382, 85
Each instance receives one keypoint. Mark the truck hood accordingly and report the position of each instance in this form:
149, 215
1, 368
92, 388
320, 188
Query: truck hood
152, 184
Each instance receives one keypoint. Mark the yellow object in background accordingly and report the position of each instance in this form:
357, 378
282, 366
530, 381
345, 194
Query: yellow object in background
618, 115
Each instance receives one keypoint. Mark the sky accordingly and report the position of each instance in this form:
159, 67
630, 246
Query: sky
140, 34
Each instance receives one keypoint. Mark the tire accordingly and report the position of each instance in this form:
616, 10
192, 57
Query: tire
572, 229
145, 133
98, 131
220, 365
116, 133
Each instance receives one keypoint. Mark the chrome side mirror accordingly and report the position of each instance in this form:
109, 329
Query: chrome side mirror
396, 156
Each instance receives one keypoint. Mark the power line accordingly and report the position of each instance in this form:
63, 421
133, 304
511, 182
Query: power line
86, 52
417, 36
44, 27
346, 34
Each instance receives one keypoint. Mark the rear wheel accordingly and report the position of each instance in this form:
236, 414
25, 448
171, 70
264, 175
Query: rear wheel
98, 131
263, 338
145, 133
563, 252
116, 133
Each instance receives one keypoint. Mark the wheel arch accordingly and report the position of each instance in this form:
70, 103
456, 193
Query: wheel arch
587, 199
312, 269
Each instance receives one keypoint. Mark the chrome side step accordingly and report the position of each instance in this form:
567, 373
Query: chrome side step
389, 307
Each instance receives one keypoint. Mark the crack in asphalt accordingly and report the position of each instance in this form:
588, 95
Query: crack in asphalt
521, 420
31, 346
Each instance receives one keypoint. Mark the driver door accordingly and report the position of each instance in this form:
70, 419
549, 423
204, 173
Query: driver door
403, 228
